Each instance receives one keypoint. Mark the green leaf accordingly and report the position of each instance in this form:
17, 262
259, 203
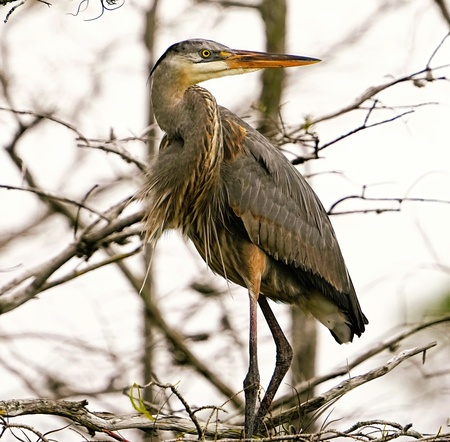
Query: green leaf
140, 406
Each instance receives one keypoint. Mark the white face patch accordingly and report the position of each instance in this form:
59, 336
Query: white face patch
198, 72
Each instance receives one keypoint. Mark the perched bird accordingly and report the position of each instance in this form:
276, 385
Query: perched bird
250, 214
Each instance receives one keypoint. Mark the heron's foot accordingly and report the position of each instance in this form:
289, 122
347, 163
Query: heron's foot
251, 388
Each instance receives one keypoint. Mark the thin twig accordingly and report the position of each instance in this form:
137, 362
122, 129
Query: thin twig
124, 155
48, 195
399, 200
438, 47
77, 273
24, 427
47, 117
374, 90
186, 406
364, 126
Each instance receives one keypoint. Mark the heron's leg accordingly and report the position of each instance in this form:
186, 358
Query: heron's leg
251, 381
283, 362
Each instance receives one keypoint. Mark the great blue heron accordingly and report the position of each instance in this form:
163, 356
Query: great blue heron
250, 214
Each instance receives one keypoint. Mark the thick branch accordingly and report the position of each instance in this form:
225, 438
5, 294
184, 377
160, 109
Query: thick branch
347, 385
390, 343
105, 422
90, 241
102, 421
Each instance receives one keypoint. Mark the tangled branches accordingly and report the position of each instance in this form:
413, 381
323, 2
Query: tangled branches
277, 427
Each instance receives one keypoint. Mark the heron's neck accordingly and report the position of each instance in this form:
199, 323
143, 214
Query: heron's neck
190, 117
178, 105
190, 114
167, 99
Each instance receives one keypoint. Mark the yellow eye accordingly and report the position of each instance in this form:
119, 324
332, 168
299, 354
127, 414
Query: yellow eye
205, 53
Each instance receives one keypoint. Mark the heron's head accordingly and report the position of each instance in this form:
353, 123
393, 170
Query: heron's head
198, 60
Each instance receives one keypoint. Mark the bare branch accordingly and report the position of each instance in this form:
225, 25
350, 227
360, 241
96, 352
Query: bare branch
418, 78
105, 5
75, 274
87, 244
424, 75
390, 343
113, 149
187, 407
77, 412
11, 150
102, 422
48, 196
346, 386
176, 340
40, 115
231, 3
364, 126
362, 197
24, 427
91, 239
4, 2
21, 232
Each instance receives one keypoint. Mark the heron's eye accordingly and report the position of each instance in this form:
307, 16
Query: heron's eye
205, 53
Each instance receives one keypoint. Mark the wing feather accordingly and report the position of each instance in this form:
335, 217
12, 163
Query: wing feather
280, 211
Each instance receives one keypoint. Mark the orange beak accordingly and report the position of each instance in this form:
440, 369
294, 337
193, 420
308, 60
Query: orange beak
259, 60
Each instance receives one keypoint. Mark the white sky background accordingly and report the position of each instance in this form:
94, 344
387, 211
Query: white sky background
54, 60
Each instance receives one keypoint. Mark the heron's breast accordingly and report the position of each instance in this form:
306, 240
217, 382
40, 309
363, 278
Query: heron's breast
224, 251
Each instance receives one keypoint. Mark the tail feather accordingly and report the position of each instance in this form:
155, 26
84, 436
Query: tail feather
340, 323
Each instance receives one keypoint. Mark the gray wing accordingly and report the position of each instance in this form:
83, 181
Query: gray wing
280, 211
